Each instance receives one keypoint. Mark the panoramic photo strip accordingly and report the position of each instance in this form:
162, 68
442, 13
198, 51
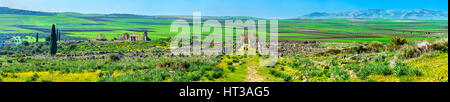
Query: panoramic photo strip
267, 43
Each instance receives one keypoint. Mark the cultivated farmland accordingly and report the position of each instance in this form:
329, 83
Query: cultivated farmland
310, 50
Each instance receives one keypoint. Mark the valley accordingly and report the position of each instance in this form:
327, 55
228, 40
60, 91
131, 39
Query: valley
93, 48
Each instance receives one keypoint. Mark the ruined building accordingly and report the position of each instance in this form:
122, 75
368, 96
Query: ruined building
135, 37
124, 37
99, 38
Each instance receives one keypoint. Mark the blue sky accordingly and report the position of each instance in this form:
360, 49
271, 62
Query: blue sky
257, 8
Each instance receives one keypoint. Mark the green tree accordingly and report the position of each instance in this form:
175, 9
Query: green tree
57, 34
25, 43
37, 37
53, 43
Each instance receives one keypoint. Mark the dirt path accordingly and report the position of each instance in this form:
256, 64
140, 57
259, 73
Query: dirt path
253, 76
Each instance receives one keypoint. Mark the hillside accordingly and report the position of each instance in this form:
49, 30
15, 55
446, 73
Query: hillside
359, 47
77, 26
6, 10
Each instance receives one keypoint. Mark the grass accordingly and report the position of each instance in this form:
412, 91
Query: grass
434, 67
79, 70
101, 68
367, 66
50, 76
139, 61
337, 67
238, 75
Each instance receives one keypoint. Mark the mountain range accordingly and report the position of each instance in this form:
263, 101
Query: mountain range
6, 10
420, 14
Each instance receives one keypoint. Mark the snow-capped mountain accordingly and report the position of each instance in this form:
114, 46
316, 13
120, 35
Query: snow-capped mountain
421, 14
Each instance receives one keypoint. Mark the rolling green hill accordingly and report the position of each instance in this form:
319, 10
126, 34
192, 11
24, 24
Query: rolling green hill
112, 25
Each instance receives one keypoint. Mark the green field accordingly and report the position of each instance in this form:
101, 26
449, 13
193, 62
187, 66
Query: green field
111, 26
349, 50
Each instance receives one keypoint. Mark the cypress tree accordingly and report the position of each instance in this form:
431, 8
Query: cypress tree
59, 38
53, 43
59, 35
21, 39
37, 37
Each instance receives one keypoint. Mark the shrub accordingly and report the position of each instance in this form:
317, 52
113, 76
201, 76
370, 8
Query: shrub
210, 77
231, 68
402, 70
194, 68
33, 78
72, 47
375, 46
371, 68
287, 78
47, 38
360, 49
105, 76
181, 78
380, 58
114, 57
440, 46
25, 43
271, 71
333, 51
217, 74
242, 63
295, 64
335, 61
102, 74
316, 73
196, 76
3, 52
172, 64
275, 73
357, 49
339, 74
235, 60
230, 63
397, 42
412, 52
21, 60
209, 68
158, 75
